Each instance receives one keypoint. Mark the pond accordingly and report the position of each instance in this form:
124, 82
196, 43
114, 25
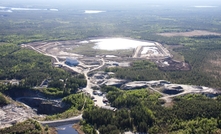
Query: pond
93, 11
66, 129
119, 43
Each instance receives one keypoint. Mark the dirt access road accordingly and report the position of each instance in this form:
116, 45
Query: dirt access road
88, 89
188, 89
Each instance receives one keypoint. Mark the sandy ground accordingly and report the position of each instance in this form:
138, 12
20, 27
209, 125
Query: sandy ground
13, 113
189, 34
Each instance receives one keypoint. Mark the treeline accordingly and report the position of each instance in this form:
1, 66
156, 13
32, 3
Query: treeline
189, 114
206, 37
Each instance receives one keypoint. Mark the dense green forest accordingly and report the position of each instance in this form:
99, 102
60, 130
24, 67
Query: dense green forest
32, 68
141, 111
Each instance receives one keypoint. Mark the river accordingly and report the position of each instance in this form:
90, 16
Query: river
66, 129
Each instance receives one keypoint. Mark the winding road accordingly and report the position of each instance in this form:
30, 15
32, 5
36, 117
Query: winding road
87, 89
99, 99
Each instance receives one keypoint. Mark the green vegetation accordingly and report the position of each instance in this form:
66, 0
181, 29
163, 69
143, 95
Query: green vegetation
53, 92
88, 129
141, 111
32, 68
204, 71
28, 127
28, 65
140, 70
77, 103
71, 84
3, 100
132, 114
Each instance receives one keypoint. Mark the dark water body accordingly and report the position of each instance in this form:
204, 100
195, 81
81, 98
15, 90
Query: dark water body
66, 129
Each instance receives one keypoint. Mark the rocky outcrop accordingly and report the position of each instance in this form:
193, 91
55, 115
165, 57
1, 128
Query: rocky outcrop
143, 84
49, 109
115, 82
172, 89
134, 85
21, 92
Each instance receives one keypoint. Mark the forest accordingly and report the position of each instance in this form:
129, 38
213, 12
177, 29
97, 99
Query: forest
31, 69
141, 111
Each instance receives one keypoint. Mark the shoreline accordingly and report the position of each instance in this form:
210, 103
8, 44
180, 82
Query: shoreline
77, 127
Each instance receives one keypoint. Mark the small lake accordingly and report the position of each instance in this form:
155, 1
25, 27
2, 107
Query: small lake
66, 129
93, 11
11, 9
119, 43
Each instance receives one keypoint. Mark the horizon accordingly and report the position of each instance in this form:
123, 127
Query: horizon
101, 3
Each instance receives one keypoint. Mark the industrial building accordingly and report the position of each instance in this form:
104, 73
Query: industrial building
71, 62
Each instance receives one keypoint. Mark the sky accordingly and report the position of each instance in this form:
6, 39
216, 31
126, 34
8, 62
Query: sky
118, 1
115, 2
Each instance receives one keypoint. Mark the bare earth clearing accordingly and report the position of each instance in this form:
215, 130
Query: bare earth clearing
154, 51
189, 34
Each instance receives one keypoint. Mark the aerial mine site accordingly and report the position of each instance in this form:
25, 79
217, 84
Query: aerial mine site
110, 67
103, 54
100, 54
115, 51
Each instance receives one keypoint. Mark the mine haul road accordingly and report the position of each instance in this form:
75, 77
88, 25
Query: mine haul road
99, 99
